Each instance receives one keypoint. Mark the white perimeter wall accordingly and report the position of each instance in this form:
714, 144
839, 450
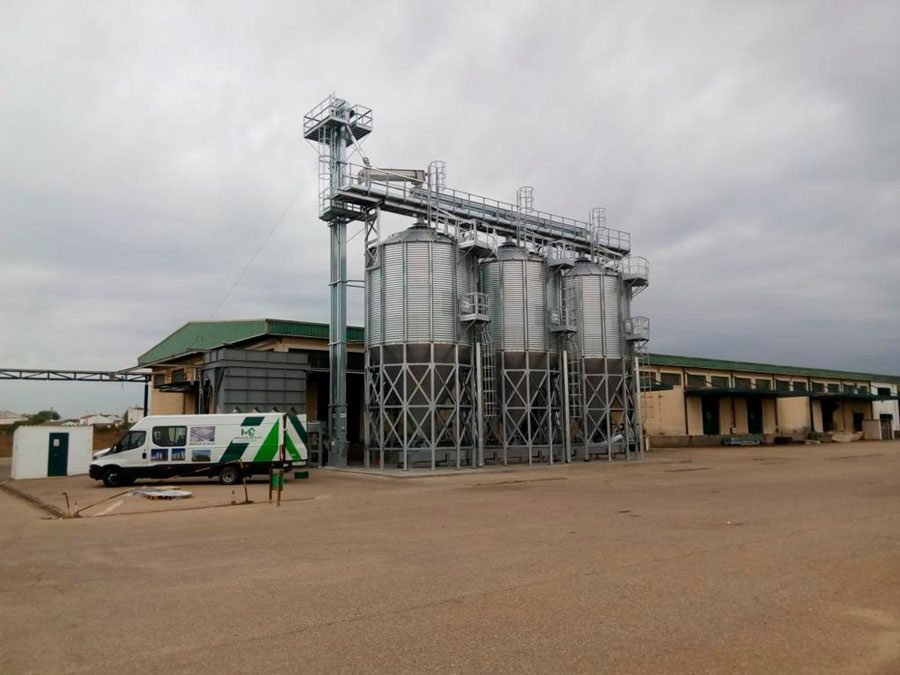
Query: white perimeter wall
31, 449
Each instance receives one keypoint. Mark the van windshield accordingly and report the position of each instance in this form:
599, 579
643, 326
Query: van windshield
130, 441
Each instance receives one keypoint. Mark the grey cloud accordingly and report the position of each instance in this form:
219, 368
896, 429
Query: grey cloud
753, 150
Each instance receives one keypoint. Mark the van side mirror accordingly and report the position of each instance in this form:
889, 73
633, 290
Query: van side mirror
117, 447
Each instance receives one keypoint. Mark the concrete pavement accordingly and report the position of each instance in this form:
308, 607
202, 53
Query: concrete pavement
753, 560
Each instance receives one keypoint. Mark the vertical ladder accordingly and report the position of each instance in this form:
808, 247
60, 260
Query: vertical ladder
575, 364
488, 372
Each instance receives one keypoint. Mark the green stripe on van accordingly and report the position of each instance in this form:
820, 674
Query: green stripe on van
290, 447
269, 447
298, 427
234, 451
252, 421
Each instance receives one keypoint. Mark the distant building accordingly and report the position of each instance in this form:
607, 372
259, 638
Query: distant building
8, 418
99, 419
135, 413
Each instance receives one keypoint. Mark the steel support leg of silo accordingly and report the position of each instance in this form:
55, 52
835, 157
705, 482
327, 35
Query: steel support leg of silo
405, 409
503, 412
529, 442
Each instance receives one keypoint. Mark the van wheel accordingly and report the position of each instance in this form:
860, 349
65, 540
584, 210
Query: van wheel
113, 477
229, 475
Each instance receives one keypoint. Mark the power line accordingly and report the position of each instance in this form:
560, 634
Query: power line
258, 251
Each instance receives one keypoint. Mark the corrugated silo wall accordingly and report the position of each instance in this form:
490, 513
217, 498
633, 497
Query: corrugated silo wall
418, 386
522, 293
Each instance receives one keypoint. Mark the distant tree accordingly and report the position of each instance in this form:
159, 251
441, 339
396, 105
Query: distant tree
42, 416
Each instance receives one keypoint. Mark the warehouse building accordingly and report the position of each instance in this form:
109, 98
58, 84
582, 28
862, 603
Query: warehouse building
264, 364
699, 401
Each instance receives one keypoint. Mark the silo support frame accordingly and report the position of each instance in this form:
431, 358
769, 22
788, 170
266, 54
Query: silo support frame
530, 395
419, 404
600, 410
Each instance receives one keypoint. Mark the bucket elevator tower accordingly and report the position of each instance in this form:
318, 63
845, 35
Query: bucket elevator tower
476, 352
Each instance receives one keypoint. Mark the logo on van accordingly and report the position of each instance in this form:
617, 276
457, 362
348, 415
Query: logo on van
248, 432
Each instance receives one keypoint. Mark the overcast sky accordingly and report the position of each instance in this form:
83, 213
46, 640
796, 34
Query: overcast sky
147, 148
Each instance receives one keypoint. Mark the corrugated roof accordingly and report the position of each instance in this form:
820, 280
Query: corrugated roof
196, 336
768, 368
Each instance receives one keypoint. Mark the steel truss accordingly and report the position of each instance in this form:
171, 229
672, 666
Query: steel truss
75, 375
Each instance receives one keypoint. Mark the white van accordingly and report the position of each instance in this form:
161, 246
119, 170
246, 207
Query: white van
166, 446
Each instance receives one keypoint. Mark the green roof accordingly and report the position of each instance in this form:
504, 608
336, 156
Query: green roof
197, 336
768, 368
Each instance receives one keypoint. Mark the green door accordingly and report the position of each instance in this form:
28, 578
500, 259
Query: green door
709, 406
754, 415
58, 457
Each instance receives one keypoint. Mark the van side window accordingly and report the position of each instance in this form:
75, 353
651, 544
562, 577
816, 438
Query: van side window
133, 439
166, 437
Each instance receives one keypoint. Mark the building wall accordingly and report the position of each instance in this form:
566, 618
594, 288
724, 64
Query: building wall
726, 415
816, 407
694, 409
769, 416
663, 412
171, 403
312, 400
672, 413
740, 415
891, 408
793, 414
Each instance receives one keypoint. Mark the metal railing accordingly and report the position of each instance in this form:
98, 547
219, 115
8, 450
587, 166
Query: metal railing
486, 211
474, 305
637, 329
359, 117
635, 267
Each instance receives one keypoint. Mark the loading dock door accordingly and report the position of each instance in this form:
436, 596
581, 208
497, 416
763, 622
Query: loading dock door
754, 415
58, 455
710, 409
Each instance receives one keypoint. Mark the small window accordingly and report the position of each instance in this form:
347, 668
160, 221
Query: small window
818, 387
167, 437
178, 375
159, 379
720, 381
696, 380
782, 385
834, 388
742, 383
764, 385
671, 379
849, 389
884, 391
799, 386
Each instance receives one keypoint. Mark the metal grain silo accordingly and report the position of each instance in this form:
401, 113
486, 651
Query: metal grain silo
417, 356
600, 363
523, 294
